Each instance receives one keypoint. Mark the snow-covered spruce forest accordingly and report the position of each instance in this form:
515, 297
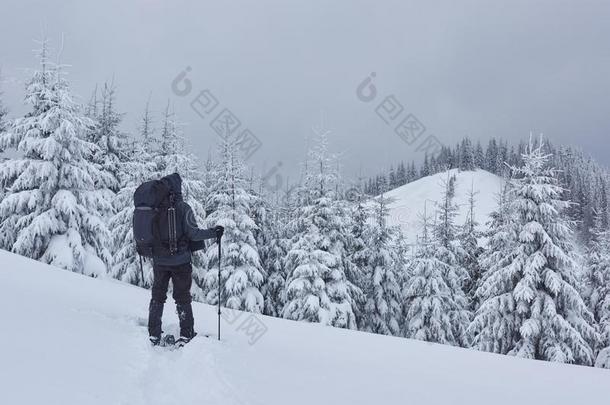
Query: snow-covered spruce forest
535, 286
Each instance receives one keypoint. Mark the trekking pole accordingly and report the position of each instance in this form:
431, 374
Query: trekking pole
219, 290
141, 270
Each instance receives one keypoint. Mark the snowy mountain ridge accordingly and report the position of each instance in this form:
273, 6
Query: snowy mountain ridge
79, 340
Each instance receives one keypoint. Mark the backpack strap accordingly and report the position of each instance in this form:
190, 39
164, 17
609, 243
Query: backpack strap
171, 222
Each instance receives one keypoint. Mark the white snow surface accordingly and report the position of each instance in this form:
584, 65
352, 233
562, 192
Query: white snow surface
412, 198
71, 339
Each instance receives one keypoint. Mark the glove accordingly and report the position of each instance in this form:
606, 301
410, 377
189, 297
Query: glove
219, 231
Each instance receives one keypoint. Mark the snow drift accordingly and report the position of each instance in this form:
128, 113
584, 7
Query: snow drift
70, 339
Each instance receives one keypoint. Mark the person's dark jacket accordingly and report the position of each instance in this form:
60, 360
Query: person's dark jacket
187, 230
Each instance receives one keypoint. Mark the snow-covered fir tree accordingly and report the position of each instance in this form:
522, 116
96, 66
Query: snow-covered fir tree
52, 210
479, 156
242, 274
111, 152
283, 215
494, 328
260, 212
147, 132
466, 155
3, 126
358, 248
275, 266
401, 174
597, 286
270, 243
317, 286
209, 176
425, 169
139, 168
530, 305
383, 304
469, 237
3, 110
451, 250
434, 305
445, 229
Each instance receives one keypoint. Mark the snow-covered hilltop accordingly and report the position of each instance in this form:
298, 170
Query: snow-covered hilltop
413, 198
71, 339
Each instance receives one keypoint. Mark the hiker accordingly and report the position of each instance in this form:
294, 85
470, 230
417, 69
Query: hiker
172, 256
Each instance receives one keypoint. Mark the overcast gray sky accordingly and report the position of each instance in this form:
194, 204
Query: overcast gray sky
477, 68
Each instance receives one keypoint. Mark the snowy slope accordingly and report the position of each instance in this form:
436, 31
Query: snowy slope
69, 339
412, 198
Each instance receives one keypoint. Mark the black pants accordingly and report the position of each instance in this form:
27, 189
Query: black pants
182, 279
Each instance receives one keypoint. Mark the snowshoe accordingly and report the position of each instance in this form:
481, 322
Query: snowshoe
164, 341
182, 340
168, 341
